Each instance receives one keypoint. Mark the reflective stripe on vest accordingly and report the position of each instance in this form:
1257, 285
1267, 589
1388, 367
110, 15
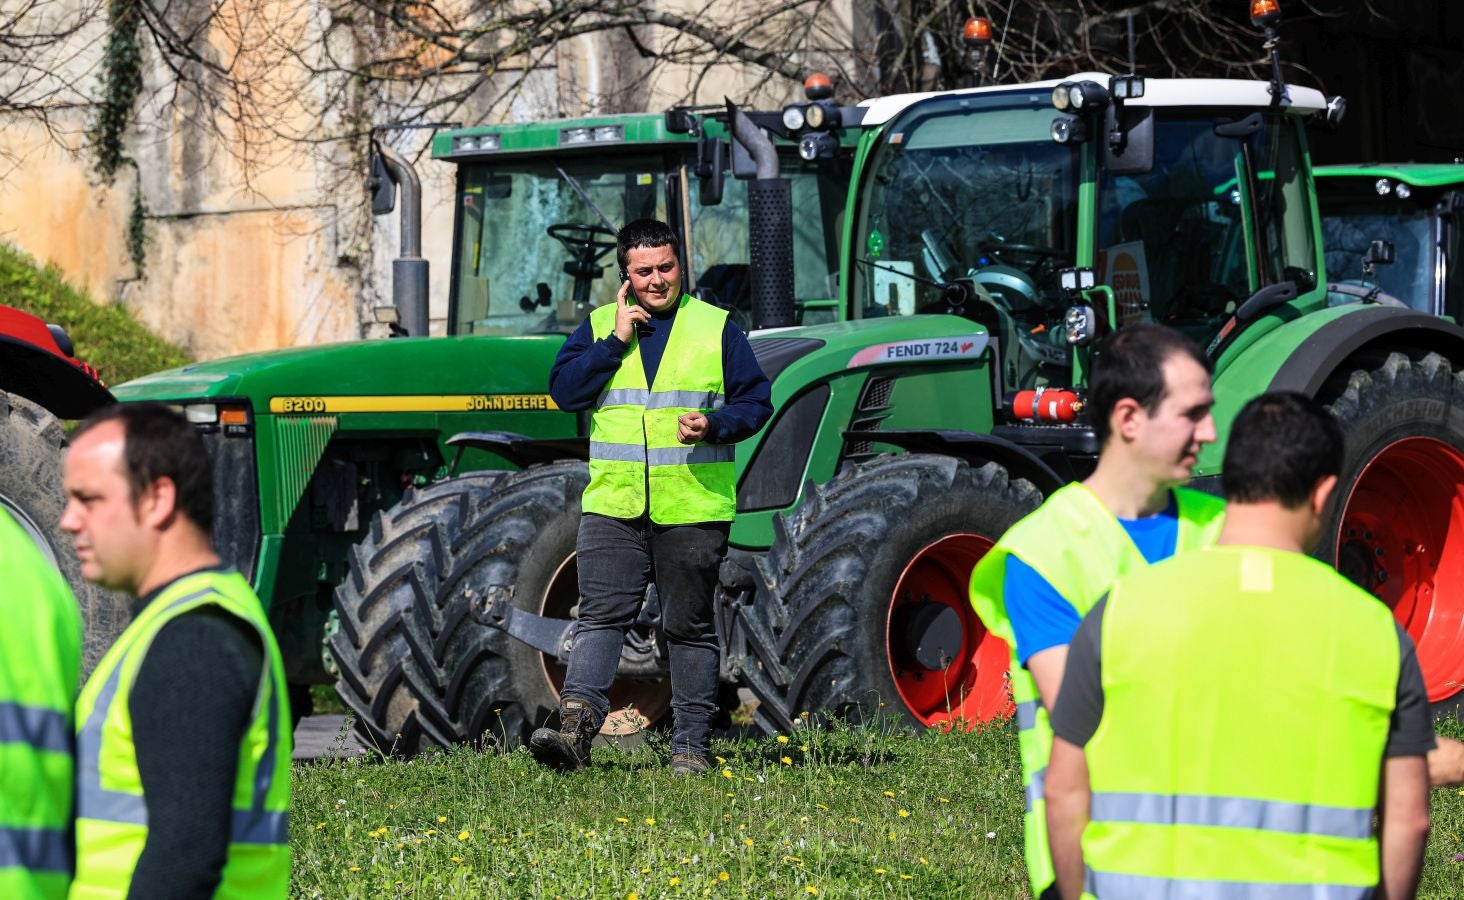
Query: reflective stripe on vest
1118, 886
637, 466
1080, 549
112, 813
38, 849
43, 729
1233, 756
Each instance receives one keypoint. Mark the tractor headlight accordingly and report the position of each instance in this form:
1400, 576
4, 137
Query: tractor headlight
793, 118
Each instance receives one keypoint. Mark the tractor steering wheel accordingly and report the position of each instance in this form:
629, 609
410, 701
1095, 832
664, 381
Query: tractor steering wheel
583, 241
997, 249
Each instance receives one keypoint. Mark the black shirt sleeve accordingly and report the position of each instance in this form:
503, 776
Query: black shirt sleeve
749, 394
1080, 698
583, 368
191, 704
1410, 733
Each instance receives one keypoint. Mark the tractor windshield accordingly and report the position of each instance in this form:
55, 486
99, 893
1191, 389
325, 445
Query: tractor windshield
1354, 215
1180, 245
535, 250
970, 189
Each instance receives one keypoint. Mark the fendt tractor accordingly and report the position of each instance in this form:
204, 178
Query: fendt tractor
42, 382
310, 444
992, 235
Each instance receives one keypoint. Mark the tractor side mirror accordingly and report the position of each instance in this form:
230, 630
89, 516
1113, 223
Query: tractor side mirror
711, 170
1378, 252
1130, 149
380, 185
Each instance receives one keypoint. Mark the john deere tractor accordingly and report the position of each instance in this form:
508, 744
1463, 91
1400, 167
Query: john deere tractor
312, 443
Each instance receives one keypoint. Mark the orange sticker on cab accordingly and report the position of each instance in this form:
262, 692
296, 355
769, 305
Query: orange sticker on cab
968, 346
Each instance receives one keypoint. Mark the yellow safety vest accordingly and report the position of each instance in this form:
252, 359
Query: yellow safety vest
40, 667
1247, 698
633, 445
1079, 548
111, 824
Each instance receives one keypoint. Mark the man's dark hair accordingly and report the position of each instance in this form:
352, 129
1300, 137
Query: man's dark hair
1130, 363
644, 233
1280, 446
161, 443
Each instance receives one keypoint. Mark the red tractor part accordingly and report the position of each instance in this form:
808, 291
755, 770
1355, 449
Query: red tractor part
950, 671
36, 363
1401, 537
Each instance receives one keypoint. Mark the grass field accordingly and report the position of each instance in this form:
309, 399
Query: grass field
828, 813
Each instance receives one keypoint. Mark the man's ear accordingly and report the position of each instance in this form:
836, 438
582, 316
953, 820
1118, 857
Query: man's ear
156, 505
1321, 493
1125, 418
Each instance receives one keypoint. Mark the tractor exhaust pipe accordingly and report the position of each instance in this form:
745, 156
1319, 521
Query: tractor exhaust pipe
409, 270
769, 228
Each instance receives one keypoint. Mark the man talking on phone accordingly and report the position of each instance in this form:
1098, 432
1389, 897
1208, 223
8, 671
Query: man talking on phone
671, 384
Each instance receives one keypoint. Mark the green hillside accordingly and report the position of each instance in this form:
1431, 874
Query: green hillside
108, 337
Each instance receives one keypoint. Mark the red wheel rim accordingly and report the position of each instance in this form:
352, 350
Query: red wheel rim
1401, 537
973, 688
633, 704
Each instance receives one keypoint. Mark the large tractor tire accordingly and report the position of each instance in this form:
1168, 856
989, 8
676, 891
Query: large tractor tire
31, 444
863, 602
417, 668
1397, 525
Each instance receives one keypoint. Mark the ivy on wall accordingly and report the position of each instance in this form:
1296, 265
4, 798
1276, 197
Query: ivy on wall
121, 83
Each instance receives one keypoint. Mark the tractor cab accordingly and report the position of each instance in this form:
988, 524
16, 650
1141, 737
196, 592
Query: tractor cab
1054, 212
1391, 236
538, 208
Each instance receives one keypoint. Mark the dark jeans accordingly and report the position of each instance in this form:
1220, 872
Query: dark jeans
618, 558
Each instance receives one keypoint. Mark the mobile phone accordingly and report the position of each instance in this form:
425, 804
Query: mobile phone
630, 297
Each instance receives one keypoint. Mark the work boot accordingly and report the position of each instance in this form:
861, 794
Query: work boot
567, 749
689, 764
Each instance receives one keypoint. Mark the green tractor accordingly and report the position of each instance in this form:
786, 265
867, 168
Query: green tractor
990, 239
1392, 234
1185, 202
311, 444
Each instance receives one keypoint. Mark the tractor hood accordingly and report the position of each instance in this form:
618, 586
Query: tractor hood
790, 356
394, 367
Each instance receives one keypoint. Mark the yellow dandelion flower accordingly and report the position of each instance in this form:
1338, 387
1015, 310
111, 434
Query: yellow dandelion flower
742, 827
747, 841
622, 820
429, 832
589, 834
441, 819
650, 821
880, 871
730, 794
923, 861
904, 813
803, 715
748, 778
822, 807
904, 877
853, 820
457, 859
803, 820
632, 896
787, 760
589, 852
811, 889
720, 760
782, 739
889, 793
942, 799
892, 835
400, 844
533, 862
675, 881
464, 835
355, 868
686, 860
723, 876
645, 870
320, 825
726, 773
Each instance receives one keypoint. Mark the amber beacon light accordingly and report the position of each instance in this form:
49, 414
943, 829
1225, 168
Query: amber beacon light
977, 32
1265, 13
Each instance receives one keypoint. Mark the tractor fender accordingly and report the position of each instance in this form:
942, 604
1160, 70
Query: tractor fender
1320, 356
522, 450
48, 379
975, 448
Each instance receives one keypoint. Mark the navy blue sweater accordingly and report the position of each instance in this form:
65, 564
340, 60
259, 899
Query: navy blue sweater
584, 367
